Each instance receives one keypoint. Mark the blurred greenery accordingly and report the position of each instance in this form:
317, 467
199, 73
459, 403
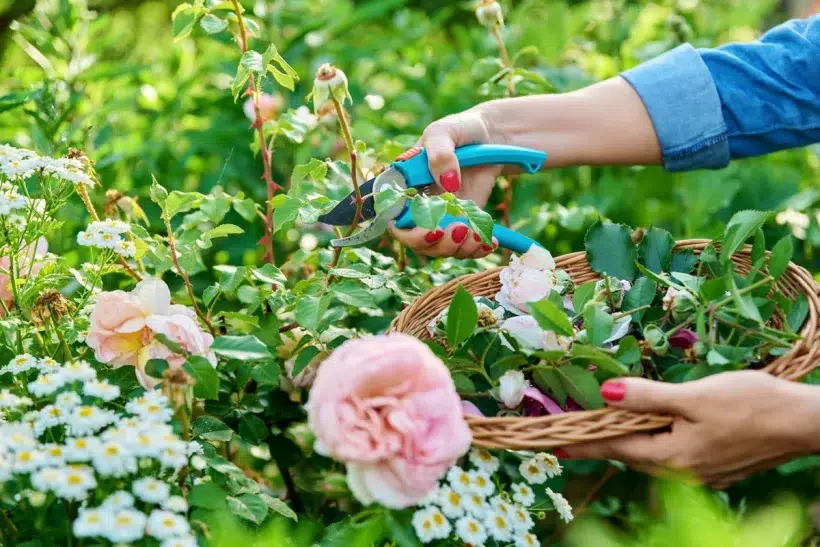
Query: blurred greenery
106, 76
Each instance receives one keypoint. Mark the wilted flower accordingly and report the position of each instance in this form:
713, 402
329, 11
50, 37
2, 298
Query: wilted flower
330, 82
489, 14
683, 339
528, 278
680, 302
538, 404
50, 304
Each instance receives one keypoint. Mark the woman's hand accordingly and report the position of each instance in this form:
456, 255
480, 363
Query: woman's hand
440, 139
726, 427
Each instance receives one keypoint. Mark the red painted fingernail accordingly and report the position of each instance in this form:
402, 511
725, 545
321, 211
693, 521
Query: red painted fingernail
449, 181
486, 247
561, 453
495, 244
613, 390
477, 237
432, 237
459, 233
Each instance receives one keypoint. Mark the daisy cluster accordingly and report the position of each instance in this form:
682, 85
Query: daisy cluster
469, 506
60, 442
19, 163
108, 234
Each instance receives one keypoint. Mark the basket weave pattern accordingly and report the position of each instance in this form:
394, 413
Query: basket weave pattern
576, 427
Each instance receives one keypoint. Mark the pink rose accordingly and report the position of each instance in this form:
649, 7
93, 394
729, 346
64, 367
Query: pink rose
32, 252
269, 106
387, 407
124, 327
528, 278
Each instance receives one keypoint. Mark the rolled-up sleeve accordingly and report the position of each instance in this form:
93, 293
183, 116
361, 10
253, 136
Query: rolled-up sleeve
709, 106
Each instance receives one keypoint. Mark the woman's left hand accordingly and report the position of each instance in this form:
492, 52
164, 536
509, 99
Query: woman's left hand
726, 427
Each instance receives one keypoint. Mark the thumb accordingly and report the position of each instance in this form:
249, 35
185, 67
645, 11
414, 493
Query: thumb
440, 142
641, 395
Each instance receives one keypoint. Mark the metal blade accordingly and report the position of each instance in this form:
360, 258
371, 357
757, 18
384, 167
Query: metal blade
368, 233
345, 210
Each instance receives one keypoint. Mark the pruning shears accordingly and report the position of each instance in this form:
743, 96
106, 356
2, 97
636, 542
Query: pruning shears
411, 171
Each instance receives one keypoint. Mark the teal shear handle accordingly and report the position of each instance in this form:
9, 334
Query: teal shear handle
416, 173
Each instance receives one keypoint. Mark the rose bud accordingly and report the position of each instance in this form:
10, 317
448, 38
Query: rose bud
329, 82
683, 339
489, 14
656, 338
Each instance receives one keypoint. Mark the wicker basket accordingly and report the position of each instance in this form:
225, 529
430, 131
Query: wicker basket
577, 427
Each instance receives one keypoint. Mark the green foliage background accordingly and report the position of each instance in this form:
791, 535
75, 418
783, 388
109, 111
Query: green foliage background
107, 77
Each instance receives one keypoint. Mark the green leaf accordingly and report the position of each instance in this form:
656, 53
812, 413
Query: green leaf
252, 60
780, 257
610, 250
582, 295
629, 352
248, 507
743, 302
278, 506
348, 533
285, 209
180, 202
684, 261
205, 375
551, 317
353, 293
253, 429
600, 358
211, 429
656, 250
427, 211
581, 385
759, 246
304, 359
244, 348
549, 381
740, 227
598, 324
246, 208
223, 230
641, 294
310, 311
401, 533
269, 274
285, 80
184, 19
722, 355
213, 24
267, 373
207, 496
462, 317
479, 220
387, 197
315, 169
797, 315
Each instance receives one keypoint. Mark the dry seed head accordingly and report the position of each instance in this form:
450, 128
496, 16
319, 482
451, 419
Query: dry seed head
49, 304
486, 318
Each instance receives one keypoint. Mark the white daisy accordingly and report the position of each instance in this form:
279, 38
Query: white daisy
86, 419
194, 448
480, 483
17, 222
10, 400
21, 363
118, 500
47, 364
471, 531
523, 494
19, 436
561, 505
551, 465
111, 459
76, 481
54, 454
484, 460
92, 522
127, 526
48, 416
125, 248
151, 407
79, 371
166, 525
521, 519
441, 525
533, 471
79, 449
431, 524
186, 541
459, 479
101, 389
85, 239
451, 502
67, 400
46, 384
499, 526
502, 507
173, 457
176, 504
151, 490
527, 540
26, 461
46, 479
475, 505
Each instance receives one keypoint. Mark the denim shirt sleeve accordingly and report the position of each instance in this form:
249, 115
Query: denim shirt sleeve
709, 106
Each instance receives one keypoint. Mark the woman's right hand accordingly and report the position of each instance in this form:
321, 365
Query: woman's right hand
440, 139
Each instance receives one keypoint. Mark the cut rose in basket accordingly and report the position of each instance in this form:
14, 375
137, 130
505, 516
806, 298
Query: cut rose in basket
654, 311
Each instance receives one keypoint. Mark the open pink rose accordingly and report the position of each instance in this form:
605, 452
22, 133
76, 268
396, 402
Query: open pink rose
36, 252
124, 327
387, 407
269, 107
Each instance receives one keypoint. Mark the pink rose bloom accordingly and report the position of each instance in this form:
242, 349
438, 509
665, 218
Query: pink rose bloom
37, 252
269, 106
387, 407
528, 278
124, 325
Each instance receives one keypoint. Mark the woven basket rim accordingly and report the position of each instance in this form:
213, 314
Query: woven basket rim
568, 428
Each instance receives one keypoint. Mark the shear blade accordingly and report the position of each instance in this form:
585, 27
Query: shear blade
345, 210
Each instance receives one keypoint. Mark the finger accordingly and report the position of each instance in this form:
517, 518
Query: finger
440, 142
418, 239
471, 246
640, 449
642, 395
448, 245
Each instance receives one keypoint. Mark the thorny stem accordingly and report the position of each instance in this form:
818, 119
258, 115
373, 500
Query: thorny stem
507, 187
617, 316
402, 262
184, 275
271, 186
354, 177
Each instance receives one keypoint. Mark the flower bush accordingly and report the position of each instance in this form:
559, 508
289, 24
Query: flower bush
187, 361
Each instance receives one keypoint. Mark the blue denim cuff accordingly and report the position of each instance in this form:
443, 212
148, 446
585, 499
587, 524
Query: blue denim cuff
680, 95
